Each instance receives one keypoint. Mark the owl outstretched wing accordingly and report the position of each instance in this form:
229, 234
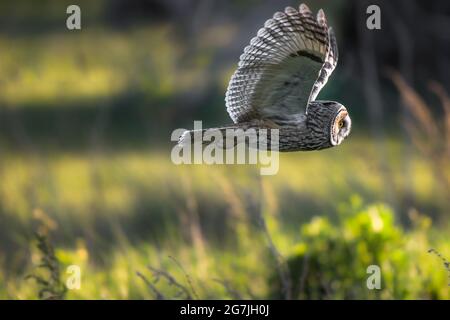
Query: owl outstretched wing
284, 67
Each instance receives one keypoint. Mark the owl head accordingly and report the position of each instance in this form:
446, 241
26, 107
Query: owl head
333, 120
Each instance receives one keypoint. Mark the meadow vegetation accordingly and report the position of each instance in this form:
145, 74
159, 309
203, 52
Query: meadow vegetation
85, 122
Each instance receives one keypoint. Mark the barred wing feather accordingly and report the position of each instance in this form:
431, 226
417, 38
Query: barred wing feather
284, 67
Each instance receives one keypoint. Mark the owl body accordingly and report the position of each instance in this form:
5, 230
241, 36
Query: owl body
326, 125
278, 79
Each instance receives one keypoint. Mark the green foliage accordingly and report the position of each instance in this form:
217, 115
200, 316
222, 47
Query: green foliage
49, 277
80, 113
331, 260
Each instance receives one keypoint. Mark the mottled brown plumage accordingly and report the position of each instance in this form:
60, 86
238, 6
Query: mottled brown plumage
278, 78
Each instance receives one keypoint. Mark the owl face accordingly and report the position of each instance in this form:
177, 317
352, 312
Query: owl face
329, 124
340, 126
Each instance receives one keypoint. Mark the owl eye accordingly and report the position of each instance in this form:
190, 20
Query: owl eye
341, 124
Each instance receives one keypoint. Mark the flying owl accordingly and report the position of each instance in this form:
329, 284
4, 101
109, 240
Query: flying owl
277, 81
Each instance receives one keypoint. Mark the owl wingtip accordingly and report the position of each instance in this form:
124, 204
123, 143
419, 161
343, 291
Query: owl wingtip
290, 10
304, 8
279, 15
321, 18
269, 22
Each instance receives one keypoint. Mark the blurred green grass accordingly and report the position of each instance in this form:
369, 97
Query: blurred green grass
114, 215
113, 202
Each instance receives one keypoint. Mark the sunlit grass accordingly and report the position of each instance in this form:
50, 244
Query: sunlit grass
409, 271
77, 181
114, 214
115, 211
92, 64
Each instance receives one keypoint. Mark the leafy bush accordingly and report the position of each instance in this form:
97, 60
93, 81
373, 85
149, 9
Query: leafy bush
331, 260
